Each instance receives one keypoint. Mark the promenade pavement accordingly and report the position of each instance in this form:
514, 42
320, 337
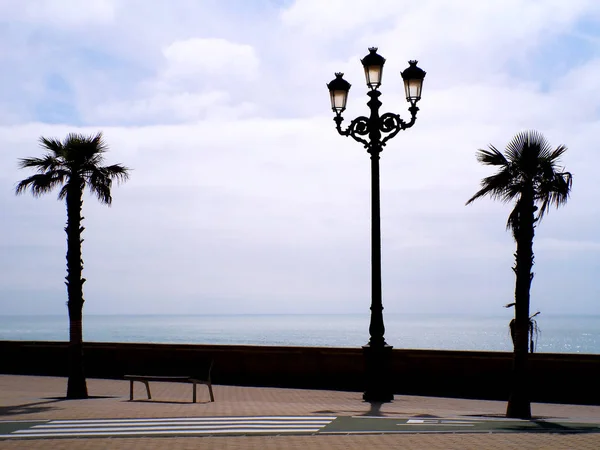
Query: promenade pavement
30, 398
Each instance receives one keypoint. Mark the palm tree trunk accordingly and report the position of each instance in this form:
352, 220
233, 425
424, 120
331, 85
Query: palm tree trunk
76, 386
519, 402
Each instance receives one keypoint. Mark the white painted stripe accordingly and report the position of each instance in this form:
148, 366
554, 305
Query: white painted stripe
147, 433
464, 422
475, 431
379, 417
178, 419
433, 422
436, 424
170, 427
193, 423
482, 419
426, 431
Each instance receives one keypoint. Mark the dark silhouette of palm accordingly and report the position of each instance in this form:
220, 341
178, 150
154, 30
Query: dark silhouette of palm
72, 165
528, 174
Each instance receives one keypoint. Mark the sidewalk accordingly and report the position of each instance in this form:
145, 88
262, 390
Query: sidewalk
31, 398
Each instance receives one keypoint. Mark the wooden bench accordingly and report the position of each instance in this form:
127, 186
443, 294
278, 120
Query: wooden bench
194, 380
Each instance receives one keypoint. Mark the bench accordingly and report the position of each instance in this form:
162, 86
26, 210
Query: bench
194, 380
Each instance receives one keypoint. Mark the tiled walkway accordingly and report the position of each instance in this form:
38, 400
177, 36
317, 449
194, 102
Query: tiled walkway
40, 398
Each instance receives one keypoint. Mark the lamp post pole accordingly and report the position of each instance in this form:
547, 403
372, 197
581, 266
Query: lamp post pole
377, 352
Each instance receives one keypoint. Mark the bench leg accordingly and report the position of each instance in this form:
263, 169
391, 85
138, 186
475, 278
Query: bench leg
130, 390
148, 390
212, 397
194, 397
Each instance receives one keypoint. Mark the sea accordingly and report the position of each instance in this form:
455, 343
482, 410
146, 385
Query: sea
558, 334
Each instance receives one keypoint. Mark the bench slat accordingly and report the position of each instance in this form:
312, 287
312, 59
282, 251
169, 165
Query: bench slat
174, 379
158, 378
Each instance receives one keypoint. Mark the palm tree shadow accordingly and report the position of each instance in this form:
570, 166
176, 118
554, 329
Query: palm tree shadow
552, 427
44, 405
29, 408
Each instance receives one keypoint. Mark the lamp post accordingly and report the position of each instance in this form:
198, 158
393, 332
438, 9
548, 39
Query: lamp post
374, 132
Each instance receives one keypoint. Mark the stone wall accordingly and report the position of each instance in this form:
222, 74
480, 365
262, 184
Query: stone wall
565, 378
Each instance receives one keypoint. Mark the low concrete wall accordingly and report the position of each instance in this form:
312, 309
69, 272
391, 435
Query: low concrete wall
564, 378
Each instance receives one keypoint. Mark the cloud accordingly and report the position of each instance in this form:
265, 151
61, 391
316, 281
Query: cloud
567, 246
210, 57
60, 13
244, 197
186, 88
175, 107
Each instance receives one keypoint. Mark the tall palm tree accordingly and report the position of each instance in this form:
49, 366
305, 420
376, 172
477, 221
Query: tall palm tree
72, 165
528, 174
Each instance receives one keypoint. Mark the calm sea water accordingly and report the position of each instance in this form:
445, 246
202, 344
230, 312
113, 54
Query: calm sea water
571, 334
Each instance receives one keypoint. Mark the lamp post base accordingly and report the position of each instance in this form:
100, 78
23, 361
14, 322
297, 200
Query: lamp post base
378, 371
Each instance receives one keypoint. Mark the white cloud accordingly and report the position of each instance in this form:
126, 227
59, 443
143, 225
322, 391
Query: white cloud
242, 189
338, 17
174, 107
212, 57
558, 245
197, 81
60, 13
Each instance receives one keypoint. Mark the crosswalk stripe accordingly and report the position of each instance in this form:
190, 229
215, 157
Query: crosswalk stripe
141, 428
179, 419
124, 425
172, 426
148, 433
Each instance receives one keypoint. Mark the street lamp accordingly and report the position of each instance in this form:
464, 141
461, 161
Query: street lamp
377, 352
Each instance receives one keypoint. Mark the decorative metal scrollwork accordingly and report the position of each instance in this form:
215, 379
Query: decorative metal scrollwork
391, 123
388, 123
358, 127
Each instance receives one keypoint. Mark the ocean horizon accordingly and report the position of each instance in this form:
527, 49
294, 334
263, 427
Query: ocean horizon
559, 334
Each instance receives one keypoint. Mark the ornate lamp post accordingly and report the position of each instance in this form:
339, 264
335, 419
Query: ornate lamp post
374, 132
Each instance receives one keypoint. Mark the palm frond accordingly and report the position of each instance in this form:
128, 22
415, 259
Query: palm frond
497, 186
513, 219
528, 161
78, 157
62, 194
54, 145
117, 172
100, 180
526, 151
555, 191
40, 183
541, 145
491, 157
81, 150
44, 164
102, 192
555, 154
514, 148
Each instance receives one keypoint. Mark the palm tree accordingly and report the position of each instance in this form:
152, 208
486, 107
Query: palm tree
72, 165
528, 174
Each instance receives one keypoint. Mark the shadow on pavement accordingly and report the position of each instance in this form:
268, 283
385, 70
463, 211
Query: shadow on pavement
29, 408
554, 427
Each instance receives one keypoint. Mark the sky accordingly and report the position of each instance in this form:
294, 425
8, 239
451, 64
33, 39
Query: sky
243, 199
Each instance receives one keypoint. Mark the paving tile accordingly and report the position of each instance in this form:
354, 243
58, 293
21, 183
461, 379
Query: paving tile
31, 398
